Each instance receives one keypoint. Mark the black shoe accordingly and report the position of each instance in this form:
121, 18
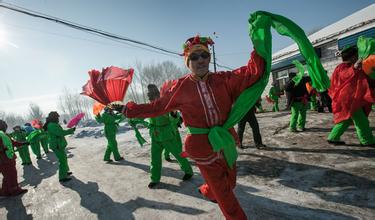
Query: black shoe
260, 146
200, 192
168, 159
152, 185
119, 159
336, 142
69, 173
187, 176
66, 179
108, 161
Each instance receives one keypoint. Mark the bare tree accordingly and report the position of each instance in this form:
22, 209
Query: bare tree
11, 119
34, 112
152, 73
71, 103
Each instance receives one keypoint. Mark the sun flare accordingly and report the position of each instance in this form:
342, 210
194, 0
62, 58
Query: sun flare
4, 38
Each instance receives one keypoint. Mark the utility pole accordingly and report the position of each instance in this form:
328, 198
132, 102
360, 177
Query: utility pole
213, 53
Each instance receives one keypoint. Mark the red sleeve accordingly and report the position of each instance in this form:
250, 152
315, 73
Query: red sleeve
333, 85
243, 77
161, 106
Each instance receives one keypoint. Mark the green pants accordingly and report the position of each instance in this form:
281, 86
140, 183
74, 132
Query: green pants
298, 117
24, 153
35, 147
111, 148
166, 154
63, 163
275, 107
362, 126
178, 140
175, 149
44, 143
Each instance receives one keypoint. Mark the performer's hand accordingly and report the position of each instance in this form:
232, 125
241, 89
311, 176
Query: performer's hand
74, 129
358, 64
118, 107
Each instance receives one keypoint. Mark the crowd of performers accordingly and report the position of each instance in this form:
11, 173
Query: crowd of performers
203, 100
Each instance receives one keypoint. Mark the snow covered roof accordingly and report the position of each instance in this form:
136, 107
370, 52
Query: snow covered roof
354, 23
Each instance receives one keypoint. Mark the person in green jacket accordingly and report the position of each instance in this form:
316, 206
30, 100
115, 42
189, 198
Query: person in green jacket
110, 120
274, 96
176, 121
44, 141
33, 138
20, 136
164, 136
58, 143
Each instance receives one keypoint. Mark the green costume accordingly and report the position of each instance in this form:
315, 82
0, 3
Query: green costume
362, 126
34, 140
298, 117
57, 142
164, 135
44, 141
176, 121
274, 96
110, 121
299, 97
20, 136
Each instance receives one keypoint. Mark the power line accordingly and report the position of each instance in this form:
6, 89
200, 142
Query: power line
83, 28
95, 31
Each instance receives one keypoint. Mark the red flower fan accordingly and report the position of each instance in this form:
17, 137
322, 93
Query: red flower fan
35, 123
75, 120
108, 86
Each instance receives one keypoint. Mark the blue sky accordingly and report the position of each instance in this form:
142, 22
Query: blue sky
40, 58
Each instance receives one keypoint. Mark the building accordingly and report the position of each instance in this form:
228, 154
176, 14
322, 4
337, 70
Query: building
326, 42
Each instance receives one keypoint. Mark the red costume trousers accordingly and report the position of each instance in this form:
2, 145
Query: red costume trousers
219, 186
10, 184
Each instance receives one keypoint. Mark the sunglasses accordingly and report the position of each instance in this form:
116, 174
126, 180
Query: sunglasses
195, 56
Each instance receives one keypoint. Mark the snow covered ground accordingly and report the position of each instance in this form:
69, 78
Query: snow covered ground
299, 176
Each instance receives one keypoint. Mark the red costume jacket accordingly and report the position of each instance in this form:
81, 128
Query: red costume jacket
350, 91
203, 103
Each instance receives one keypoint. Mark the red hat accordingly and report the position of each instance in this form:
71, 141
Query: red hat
196, 43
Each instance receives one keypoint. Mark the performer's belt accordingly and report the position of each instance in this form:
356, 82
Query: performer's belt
220, 139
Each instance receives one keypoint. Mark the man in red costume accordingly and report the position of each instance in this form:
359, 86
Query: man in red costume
205, 100
352, 98
10, 185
